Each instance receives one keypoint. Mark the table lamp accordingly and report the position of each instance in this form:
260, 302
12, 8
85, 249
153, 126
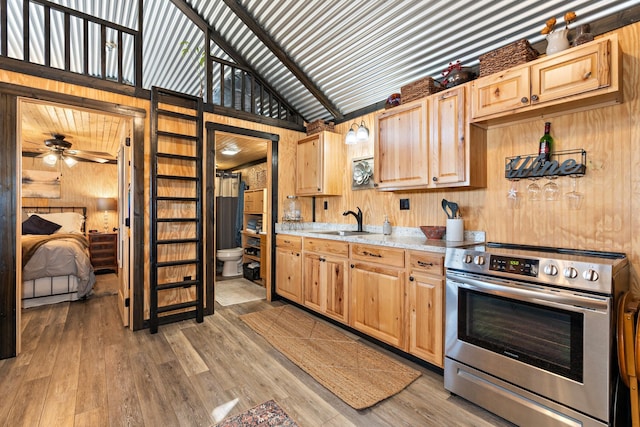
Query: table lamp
107, 204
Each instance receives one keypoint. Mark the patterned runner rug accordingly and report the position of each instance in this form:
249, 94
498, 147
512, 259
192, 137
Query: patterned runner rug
353, 371
267, 414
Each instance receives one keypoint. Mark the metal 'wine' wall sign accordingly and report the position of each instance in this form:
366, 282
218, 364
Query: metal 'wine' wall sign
562, 163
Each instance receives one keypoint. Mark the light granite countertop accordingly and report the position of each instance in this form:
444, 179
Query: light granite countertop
401, 237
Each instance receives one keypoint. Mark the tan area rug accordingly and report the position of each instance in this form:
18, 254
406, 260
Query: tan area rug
238, 291
356, 373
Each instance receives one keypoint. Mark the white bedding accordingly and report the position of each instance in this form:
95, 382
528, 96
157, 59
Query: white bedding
60, 257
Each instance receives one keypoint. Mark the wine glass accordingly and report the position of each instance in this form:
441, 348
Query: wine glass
574, 197
513, 198
551, 190
533, 190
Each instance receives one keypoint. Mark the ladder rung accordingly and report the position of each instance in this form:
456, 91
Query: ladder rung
178, 177
176, 241
174, 307
177, 135
176, 219
173, 285
177, 157
178, 199
176, 263
177, 115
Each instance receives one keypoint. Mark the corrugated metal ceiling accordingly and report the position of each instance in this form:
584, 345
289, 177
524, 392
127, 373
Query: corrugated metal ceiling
356, 52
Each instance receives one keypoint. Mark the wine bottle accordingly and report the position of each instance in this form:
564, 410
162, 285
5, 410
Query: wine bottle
546, 143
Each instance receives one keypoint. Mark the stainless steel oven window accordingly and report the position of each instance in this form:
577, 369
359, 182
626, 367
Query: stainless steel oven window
546, 337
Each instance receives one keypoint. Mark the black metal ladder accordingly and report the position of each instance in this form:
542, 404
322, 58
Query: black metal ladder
176, 208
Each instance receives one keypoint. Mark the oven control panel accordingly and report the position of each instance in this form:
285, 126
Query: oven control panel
518, 266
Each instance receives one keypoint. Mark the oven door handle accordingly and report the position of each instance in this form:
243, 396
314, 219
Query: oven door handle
535, 294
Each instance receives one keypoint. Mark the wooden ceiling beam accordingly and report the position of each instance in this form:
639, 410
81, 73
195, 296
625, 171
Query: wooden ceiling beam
250, 22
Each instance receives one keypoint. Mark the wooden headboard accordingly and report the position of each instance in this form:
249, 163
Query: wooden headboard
26, 210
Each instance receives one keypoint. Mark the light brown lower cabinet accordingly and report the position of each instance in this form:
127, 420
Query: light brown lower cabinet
325, 277
378, 293
289, 267
391, 294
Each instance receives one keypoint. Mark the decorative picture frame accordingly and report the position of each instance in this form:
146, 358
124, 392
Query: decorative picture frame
42, 184
362, 173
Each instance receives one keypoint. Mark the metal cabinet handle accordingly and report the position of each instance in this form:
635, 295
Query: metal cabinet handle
587, 75
411, 278
524, 100
534, 98
372, 254
425, 264
322, 259
435, 178
353, 266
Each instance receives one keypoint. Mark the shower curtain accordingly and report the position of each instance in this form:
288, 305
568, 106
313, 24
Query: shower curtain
240, 213
226, 190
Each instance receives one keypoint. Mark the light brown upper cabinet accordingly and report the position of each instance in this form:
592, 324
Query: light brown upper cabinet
580, 77
320, 165
401, 146
430, 143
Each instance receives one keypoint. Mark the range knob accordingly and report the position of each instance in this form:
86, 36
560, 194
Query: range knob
591, 275
468, 259
570, 273
550, 270
479, 260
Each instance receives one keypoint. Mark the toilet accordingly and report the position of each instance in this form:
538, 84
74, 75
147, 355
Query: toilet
232, 261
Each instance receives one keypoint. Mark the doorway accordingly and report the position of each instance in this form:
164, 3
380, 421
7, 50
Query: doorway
255, 161
11, 131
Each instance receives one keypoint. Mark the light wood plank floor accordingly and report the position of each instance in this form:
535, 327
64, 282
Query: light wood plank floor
79, 367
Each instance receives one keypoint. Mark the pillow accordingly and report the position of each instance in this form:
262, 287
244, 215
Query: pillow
71, 222
38, 225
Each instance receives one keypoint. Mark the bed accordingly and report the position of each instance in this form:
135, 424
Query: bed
55, 257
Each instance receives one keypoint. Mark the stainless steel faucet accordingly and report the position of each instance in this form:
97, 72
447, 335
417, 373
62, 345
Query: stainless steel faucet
357, 215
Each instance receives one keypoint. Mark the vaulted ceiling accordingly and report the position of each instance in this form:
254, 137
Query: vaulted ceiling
329, 59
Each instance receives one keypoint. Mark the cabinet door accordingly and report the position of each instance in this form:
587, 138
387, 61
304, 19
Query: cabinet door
401, 146
377, 295
325, 285
335, 278
312, 282
289, 274
580, 70
500, 92
426, 321
309, 158
448, 136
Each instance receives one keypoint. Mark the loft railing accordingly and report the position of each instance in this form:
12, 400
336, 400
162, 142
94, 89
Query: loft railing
237, 88
61, 38
89, 46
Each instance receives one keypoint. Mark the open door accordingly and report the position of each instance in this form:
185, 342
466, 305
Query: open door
124, 233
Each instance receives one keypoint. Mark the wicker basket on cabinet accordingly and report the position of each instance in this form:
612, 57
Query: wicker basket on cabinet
508, 56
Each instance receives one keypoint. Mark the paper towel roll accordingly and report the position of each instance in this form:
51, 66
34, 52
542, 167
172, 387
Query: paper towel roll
455, 230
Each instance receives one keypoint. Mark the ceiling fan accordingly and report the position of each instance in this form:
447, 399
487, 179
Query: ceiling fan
59, 149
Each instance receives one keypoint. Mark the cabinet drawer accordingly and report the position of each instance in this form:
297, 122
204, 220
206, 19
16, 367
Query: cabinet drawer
427, 262
379, 254
102, 238
290, 242
332, 247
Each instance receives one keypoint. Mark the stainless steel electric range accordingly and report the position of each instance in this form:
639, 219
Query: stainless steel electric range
530, 332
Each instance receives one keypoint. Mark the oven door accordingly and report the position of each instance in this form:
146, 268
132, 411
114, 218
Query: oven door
552, 342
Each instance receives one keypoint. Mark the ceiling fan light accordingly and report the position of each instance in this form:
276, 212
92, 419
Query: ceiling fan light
50, 159
70, 161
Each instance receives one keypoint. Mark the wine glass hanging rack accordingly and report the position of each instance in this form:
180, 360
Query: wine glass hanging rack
532, 166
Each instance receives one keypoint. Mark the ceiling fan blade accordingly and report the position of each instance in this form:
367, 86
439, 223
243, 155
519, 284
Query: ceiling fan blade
85, 155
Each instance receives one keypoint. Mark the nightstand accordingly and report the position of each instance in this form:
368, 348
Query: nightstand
103, 250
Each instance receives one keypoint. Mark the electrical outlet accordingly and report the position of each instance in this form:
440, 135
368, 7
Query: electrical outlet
326, 205
186, 278
404, 204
